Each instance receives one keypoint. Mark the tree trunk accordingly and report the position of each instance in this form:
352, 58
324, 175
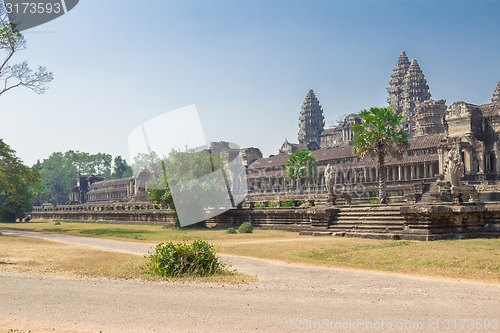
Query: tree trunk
382, 190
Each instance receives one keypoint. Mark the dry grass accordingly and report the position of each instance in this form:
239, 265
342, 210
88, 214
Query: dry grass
144, 233
38, 256
476, 259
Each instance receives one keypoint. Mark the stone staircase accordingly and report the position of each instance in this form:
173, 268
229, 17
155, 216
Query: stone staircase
373, 221
430, 193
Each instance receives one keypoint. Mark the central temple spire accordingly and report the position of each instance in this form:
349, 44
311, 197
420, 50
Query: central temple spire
407, 88
311, 120
396, 83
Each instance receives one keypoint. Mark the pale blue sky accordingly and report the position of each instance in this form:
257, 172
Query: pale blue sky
246, 64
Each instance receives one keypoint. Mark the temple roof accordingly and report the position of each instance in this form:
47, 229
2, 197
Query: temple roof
419, 142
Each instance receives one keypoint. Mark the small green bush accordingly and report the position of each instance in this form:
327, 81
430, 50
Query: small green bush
57, 223
231, 231
184, 259
245, 228
287, 203
93, 221
390, 202
374, 202
259, 205
72, 221
273, 204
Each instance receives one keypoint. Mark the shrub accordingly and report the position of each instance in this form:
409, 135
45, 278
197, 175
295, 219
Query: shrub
93, 221
374, 202
390, 202
259, 205
273, 204
287, 203
184, 259
245, 228
57, 223
72, 221
231, 231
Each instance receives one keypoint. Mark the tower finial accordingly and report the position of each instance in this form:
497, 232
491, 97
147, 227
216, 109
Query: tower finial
496, 94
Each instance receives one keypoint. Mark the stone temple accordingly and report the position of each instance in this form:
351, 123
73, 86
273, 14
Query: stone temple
434, 128
446, 185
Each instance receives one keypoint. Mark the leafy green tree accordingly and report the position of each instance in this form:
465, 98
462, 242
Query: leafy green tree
301, 166
102, 164
143, 159
58, 175
17, 75
380, 134
185, 170
15, 182
121, 169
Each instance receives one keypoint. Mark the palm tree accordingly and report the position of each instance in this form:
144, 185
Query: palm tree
301, 166
380, 133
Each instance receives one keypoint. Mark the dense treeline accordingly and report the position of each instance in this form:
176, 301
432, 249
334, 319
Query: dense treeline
16, 182
58, 173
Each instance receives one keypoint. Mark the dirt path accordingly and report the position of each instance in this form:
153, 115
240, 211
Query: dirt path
287, 297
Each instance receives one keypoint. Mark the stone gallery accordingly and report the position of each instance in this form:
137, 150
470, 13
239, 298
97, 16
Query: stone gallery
446, 185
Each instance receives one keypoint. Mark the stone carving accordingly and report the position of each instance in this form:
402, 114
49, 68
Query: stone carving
329, 178
455, 168
455, 171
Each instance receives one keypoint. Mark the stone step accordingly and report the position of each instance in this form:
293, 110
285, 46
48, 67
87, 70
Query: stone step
365, 227
377, 216
385, 235
371, 207
322, 233
367, 224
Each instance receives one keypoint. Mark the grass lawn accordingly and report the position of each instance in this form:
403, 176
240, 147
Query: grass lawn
475, 259
39, 256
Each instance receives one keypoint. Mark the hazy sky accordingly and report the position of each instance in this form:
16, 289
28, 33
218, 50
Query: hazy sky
246, 64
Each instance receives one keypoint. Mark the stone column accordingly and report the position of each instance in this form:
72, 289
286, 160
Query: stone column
412, 171
481, 163
467, 161
426, 170
400, 172
497, 159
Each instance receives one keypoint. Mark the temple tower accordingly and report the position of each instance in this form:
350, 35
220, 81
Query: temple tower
396, 83
415, 89
496, 94
429, 117
408, 87
311, 120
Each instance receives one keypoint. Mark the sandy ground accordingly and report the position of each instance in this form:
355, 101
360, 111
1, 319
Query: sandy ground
288, 297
